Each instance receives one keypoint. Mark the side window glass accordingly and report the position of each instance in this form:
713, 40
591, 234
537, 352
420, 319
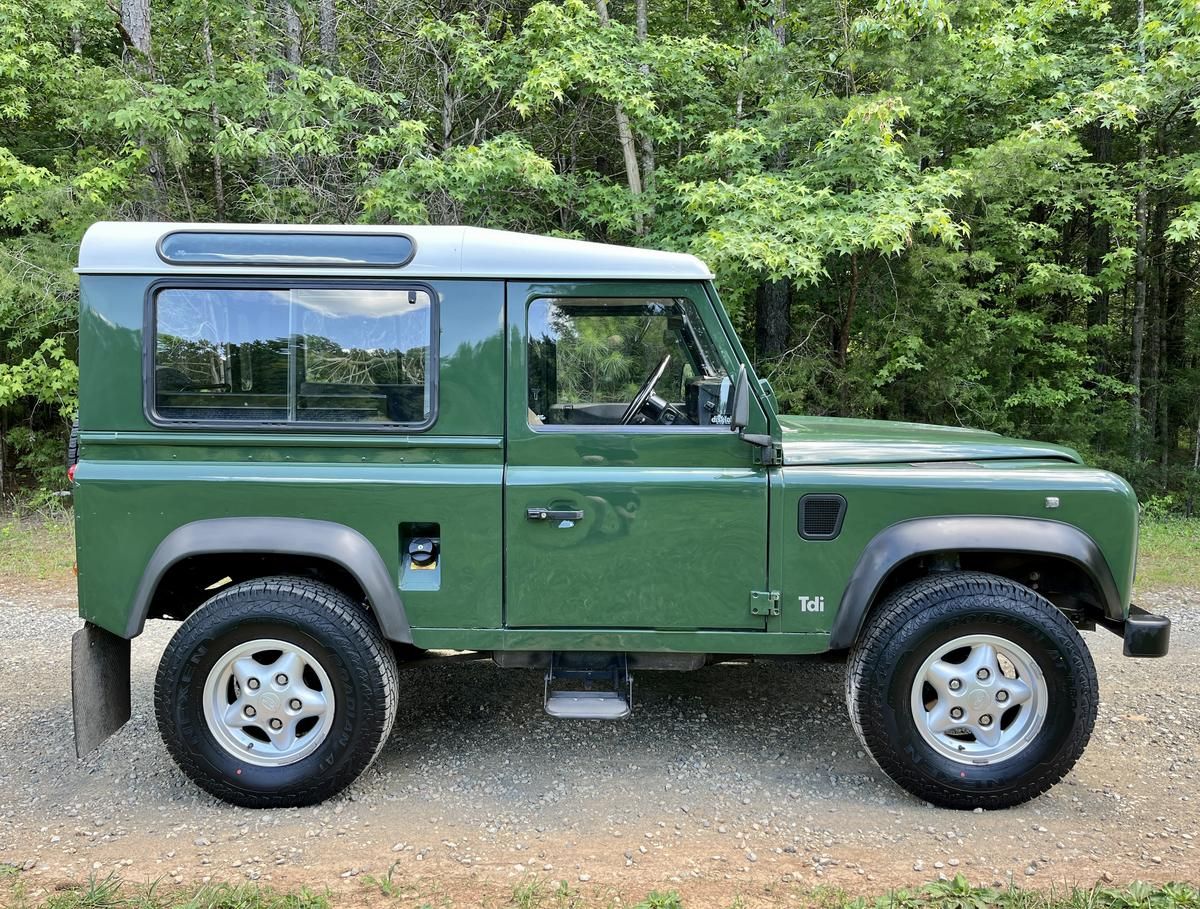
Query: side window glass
364, 356
304, 355
623, 362
222, 355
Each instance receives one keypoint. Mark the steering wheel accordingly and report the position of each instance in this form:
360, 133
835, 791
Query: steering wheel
643, 394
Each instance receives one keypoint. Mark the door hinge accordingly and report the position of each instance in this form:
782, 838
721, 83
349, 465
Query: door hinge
764, 602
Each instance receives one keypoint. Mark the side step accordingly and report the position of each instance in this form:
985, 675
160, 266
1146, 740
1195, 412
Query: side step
614, 701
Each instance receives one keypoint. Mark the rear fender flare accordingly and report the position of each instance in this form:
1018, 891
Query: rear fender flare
965, 533
278, 536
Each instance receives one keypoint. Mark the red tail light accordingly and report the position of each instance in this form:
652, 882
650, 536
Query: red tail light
71, 473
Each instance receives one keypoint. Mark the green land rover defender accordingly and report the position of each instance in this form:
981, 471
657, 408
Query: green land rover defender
330, 451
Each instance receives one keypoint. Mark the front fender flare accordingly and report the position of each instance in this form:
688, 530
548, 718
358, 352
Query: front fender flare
278, 536
965, 533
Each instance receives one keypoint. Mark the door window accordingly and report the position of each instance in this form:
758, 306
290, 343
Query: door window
623, 362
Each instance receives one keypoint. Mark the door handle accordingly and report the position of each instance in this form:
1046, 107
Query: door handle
551, 514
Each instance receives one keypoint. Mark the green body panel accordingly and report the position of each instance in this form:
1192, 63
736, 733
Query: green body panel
838, 440
137, 482
879, 496
680, 525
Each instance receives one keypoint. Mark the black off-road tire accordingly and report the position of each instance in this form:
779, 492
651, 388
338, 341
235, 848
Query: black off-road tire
331, 627
933, 611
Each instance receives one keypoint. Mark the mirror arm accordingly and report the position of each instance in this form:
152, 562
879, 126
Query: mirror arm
770, 454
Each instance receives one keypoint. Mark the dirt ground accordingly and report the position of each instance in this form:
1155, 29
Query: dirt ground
735, 782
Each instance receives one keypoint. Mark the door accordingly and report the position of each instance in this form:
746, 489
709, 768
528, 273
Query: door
629, 504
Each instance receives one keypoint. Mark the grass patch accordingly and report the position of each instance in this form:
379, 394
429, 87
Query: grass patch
112, 893
1169, 555
37, 547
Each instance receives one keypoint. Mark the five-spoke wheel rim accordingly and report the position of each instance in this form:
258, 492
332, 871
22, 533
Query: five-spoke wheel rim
979, 699
268, 702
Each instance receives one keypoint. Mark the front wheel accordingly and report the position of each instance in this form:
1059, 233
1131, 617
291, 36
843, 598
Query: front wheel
971, 690
277, 692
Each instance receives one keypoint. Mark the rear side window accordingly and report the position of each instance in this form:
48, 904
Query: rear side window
304, 355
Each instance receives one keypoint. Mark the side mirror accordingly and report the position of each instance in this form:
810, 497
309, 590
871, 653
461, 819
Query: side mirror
739, 410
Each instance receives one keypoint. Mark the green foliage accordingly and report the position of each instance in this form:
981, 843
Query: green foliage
916, 210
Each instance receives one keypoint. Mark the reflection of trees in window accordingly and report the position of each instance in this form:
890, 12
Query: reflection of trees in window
604, 358
592, 362
388, 350
328, 362
189, 362
186, 364
189, 340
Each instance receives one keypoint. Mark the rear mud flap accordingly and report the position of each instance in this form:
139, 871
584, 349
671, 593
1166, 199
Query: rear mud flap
99, 685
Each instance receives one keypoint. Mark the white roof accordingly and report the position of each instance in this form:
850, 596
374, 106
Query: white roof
131, 247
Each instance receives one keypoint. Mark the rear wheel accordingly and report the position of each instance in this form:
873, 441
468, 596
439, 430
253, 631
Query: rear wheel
276, 692
971, 690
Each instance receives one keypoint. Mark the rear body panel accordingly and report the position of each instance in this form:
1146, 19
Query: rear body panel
137, 482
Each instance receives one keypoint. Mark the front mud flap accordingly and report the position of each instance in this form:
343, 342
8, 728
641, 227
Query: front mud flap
99, 685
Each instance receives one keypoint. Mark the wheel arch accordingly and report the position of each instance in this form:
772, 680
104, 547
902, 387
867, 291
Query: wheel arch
332, 551
987, 542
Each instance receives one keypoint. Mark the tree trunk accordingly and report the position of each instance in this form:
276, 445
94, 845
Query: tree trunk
1139, 316
283, 16
327, 29
1175, 341
1099, 243
4, 451
773, 299
843, 340
625, 136
1140, 265
1155, 292
1195, 463
215, 117
291, 45
1196, 449
447, 103
772, 324
135, 23
135, 32
648, 163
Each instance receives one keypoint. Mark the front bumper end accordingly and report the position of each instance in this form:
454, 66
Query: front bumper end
1145, 634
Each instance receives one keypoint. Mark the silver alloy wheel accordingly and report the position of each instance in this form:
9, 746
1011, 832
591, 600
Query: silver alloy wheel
268, 703
979, 699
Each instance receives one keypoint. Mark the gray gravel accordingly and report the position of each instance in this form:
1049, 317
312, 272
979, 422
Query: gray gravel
737, 778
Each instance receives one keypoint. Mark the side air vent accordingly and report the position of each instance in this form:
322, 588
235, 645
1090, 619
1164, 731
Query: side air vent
821, 516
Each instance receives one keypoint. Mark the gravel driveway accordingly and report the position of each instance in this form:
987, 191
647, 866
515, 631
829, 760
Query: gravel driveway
738, 780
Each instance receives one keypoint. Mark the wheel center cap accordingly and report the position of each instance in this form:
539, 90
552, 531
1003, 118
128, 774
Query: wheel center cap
977, 700
270, 702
